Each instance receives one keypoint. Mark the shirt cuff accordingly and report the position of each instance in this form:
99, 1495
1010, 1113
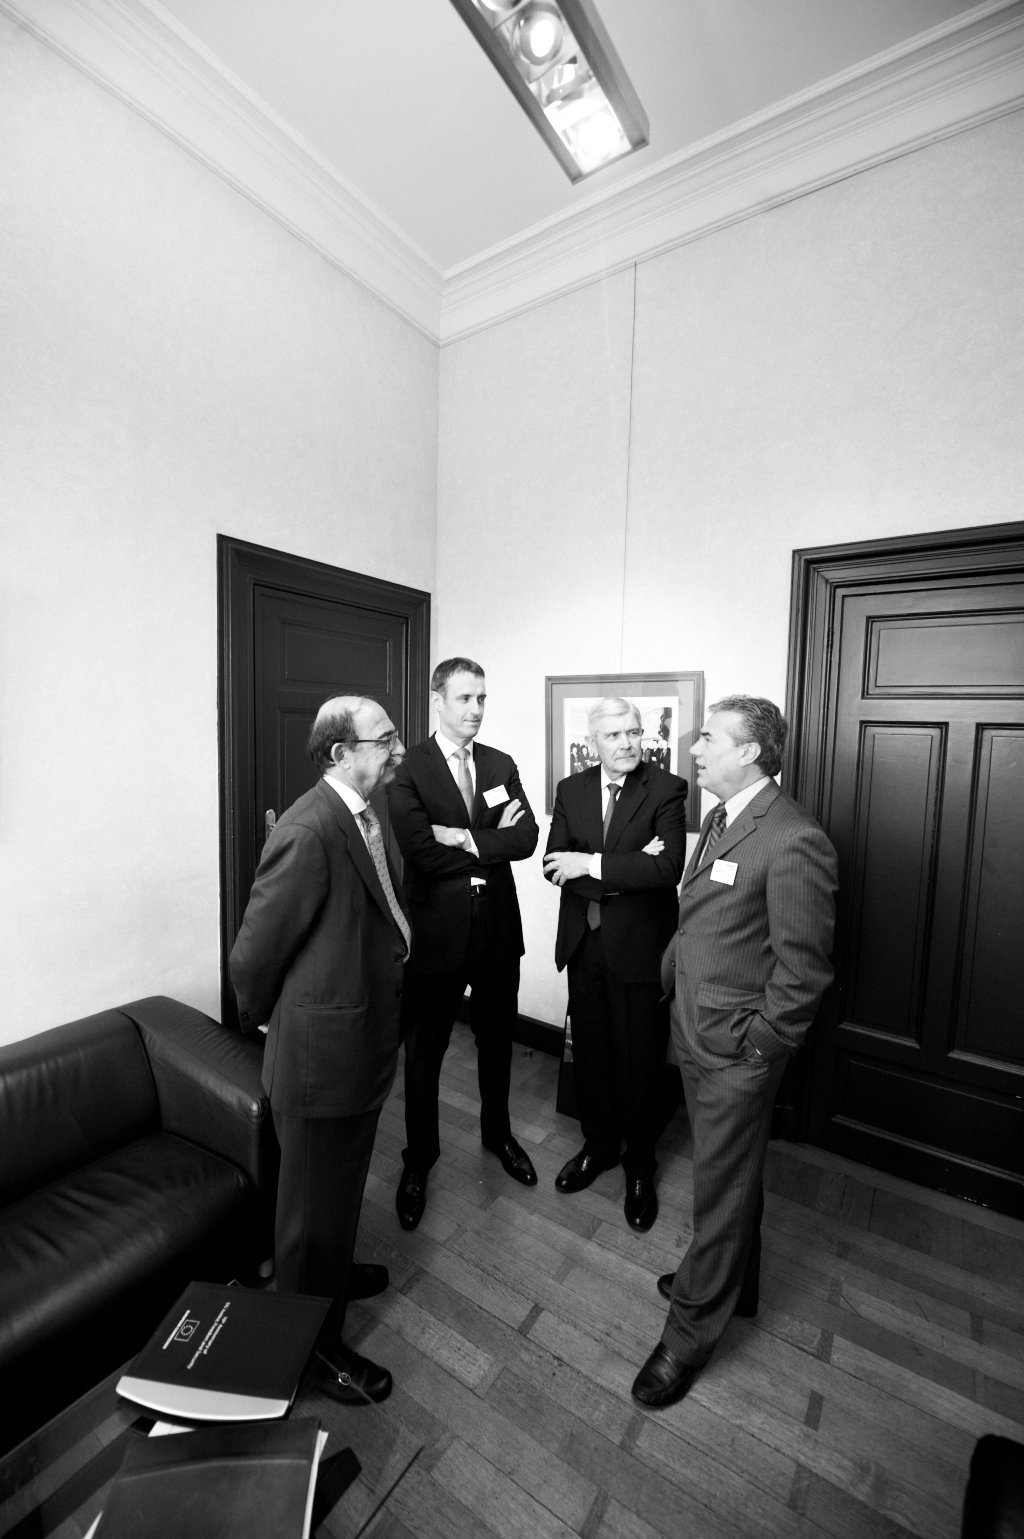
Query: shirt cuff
595, 866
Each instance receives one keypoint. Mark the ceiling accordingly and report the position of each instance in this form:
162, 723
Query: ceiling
383, 122
401, 98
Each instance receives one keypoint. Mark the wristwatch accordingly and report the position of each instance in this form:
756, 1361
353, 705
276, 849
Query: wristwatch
463, 836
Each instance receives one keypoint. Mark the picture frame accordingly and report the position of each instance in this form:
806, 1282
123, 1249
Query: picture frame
671, 707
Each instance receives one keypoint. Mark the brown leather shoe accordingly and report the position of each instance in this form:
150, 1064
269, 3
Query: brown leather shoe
663, 1379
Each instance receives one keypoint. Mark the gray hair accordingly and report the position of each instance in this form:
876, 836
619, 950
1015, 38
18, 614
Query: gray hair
763, 724
611, 705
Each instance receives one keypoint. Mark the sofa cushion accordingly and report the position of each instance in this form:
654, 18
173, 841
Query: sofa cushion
68, 1250
70, 1096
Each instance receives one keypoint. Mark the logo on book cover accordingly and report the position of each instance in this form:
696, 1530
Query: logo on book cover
186, 1330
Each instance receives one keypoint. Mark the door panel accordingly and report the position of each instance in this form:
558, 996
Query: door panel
910, 748
306, 649
991, 995
293, 633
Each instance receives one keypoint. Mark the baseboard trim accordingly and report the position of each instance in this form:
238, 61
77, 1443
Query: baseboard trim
538, 1035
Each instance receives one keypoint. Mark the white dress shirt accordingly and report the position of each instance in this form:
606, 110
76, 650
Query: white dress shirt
606, 781
451, 756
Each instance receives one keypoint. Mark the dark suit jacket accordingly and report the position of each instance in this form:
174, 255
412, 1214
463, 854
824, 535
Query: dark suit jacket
320, 957
750, 961
437, 876
639, 909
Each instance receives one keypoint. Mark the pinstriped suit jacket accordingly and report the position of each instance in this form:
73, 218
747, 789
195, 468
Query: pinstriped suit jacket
750, 961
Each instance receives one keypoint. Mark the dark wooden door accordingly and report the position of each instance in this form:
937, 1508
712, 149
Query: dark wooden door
293, 633
910, 748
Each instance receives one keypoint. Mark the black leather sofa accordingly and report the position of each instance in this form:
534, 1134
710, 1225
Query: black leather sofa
138, 1154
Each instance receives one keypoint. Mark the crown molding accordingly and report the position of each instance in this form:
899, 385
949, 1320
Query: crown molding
944, 81
136, 50
950, 78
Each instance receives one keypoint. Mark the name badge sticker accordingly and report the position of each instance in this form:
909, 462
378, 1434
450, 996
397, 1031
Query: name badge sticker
495, 796
724, 871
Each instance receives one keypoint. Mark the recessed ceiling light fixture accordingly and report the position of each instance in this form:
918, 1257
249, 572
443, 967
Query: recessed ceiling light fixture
558, 61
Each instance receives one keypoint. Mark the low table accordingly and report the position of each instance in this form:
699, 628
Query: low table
52, 1485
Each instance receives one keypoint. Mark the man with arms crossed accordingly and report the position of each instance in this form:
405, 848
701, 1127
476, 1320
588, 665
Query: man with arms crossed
460, 816
746, 968
617, 848
320, 955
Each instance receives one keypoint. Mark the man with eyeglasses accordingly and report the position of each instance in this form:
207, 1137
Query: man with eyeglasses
320, 956
460, 816
617, 848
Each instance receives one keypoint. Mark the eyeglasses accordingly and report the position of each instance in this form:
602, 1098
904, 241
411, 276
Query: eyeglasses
389, 741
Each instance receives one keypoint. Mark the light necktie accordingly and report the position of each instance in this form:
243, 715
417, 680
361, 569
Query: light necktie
716, 828
465, 780
593, 907
375, 844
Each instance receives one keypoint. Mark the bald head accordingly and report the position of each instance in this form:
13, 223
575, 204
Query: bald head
354, 740
334, 723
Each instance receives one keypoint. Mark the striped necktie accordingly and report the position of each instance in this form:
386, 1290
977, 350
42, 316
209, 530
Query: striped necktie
716, 828
375, 844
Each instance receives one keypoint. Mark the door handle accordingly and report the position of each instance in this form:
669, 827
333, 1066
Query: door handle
269, 823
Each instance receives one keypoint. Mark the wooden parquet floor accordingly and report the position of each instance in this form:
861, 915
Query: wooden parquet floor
890, 1337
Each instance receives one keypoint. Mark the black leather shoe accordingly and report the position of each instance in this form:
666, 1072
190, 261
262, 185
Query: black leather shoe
663, 1379
351, 1378
515, 1160
411, 1197
641, 1205
366, 1279
746, 1304
579, 1172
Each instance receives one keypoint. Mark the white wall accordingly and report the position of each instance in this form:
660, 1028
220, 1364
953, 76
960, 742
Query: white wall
173, 364
618, 477
625, 494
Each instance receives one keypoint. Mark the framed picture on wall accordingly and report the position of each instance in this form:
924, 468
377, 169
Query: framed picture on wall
671, 707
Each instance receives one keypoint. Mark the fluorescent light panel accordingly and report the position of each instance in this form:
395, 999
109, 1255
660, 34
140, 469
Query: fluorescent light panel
559, 63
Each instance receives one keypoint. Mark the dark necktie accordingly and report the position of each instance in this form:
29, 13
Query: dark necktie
465, 780
716, 828
593, 907
375, 844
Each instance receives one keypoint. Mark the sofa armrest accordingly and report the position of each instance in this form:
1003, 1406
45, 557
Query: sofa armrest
208, 1084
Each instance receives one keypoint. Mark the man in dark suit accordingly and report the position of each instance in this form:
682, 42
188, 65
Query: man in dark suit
460, 816
617, 848
747, 969
320, 955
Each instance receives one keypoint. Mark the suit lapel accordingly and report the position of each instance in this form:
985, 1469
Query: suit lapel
741, 828
486, 779
590, 796
360, 854
438, 769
